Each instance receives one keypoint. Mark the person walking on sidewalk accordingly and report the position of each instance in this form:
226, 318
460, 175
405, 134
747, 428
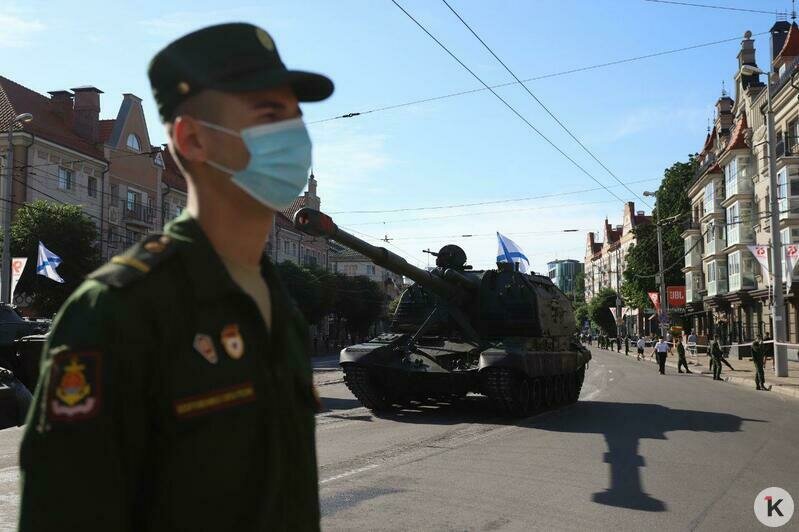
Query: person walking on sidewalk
758, 358
618, 344
681, 362
692, 343
626, 346
640, 346
715, 358
661, 350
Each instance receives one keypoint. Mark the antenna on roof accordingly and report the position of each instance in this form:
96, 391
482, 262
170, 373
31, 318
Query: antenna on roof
708, 125
723, 89
793, 10
781, 16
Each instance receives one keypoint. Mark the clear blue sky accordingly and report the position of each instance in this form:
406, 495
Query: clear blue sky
638, 117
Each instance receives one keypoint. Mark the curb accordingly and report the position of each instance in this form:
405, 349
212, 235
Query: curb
740, 381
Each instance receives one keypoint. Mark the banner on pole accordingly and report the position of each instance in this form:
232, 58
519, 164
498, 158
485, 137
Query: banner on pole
761, 255
675, 296
791, 256
17, 267
655, 298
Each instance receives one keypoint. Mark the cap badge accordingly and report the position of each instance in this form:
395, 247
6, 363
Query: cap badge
265, 39
204, 345
232, 341
183, 87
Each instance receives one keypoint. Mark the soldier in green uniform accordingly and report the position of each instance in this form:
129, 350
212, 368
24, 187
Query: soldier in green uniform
715, 358
758, 358
176, 389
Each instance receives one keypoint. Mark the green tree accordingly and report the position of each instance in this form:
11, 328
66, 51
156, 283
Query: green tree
581, 313
66, 231
579, 288
642, 258
599, 310
359, 301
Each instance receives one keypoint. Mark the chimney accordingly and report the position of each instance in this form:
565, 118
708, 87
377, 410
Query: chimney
640, 213
747, 57
724, 116
61, 102
87, 113
779, 32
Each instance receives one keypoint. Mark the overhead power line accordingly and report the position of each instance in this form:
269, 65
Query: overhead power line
493, 202
543, 106
709, 6
509, 106
536, 78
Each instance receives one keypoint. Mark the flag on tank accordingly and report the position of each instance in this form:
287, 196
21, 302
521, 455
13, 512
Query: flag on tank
47, 263
509, 251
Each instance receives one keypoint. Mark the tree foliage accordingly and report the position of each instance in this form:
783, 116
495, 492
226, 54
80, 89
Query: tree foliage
66, 231
599, 310
642, 258
360, 301
581, 313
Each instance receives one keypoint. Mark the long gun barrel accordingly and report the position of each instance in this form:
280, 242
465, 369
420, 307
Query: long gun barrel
315, 223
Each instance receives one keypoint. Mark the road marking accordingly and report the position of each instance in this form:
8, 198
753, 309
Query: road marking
611, 379
349, 473
610, 371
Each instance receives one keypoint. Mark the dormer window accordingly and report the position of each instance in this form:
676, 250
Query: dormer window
134, 143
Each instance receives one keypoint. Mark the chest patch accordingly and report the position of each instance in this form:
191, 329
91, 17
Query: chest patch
232, 341
74, 389
204, 345
215, 400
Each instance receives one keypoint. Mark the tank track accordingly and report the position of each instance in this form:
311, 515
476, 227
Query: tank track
363, 387
506, 388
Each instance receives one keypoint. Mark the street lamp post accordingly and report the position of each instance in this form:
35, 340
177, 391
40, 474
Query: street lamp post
778, 302
5, 272
664, 312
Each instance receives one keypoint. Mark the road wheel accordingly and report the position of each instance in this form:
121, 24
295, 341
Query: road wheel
362, 384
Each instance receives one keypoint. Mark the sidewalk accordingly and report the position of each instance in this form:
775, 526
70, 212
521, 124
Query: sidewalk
744, 373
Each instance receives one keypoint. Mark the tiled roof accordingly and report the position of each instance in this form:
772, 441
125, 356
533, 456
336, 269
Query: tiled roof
171, 174
46, 123
642, 219
737, 140
297, 204
791, 46
106, 127
709, 141
348, 255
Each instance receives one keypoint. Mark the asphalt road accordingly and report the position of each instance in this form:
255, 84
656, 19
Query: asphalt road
639, 451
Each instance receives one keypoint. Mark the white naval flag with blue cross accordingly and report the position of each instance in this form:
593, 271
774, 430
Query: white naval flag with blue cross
47, 263
509, 251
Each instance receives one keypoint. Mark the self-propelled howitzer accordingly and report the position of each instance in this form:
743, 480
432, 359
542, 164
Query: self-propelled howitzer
504, 334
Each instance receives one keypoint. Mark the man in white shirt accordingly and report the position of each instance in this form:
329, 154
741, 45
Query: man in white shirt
641, 345
661, 349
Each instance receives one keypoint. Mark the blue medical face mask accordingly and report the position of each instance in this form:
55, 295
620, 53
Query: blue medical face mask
280, 158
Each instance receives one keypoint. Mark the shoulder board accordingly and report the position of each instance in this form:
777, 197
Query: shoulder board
135, 263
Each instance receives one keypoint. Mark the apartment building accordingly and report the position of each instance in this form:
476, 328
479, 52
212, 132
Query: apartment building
563, 274
727, 293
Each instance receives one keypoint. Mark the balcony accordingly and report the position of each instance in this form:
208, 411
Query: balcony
710, 160
693, 251
742, 281
715, 288
137, 213
785, 78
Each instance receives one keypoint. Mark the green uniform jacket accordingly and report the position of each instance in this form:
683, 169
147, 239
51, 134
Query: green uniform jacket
166, 404
757, 352
715, 350
680, 350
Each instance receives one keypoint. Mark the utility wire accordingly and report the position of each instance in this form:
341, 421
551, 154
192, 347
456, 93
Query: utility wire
493, 202
509, 106
543, 106
536, 78
709, 6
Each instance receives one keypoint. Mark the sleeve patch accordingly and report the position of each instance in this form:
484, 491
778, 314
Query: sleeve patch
75, 387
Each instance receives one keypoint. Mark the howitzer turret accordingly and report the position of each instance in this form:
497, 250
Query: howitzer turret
502, 333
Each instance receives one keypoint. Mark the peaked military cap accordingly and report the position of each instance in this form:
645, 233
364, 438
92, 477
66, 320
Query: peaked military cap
236, 57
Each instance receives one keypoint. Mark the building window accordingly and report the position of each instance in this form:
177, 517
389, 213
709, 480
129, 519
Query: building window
64, 179
286, 247
114, 192
731, 177
370, 269
92, 187
134, 199
710, 197
133, 142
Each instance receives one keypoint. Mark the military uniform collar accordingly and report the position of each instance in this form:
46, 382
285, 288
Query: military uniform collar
204, 267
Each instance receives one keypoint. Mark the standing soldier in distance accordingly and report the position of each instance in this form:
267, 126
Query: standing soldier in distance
715, 358
627, 345
681, 362
176, 389
758, 355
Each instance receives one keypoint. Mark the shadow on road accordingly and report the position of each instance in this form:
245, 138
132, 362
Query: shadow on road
623, 425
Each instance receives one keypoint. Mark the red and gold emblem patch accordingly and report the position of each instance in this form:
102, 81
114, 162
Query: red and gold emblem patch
232, 341
74, 390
